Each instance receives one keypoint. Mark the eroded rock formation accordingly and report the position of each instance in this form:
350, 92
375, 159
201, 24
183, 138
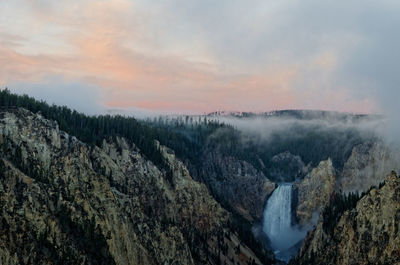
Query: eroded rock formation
65, 202
367, 234
313, 192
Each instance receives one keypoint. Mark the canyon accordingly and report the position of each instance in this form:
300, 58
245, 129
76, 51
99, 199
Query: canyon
156, 199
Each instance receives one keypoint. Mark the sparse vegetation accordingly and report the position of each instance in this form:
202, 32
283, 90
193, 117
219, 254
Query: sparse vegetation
193, 137
338, 204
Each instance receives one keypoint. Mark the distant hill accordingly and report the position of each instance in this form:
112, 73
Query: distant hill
297, 114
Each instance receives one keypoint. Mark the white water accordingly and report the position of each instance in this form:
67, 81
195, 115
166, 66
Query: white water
277, 223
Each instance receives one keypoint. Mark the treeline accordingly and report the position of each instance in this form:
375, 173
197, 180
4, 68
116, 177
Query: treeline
92, 129
187, 137
191, 139
338, 204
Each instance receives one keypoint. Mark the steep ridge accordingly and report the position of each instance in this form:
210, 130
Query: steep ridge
367, 234
366, 167
64, 202
238, 184
313, 192
235, 179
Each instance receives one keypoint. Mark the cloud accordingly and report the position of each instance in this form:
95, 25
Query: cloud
265, 127
200, 56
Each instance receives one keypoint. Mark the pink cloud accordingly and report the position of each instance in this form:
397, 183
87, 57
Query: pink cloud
128, 77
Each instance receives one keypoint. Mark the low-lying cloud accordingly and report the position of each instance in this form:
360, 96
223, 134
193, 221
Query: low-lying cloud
266, 126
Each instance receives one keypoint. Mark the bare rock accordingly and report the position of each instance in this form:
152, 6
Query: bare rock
366, 166
367, 234
64, 202
313, 191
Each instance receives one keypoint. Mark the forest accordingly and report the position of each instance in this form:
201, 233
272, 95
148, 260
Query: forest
193, 137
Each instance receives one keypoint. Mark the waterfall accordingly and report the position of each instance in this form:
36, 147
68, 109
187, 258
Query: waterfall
277, 224
278, 212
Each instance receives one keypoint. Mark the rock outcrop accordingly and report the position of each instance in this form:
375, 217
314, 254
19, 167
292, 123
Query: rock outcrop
367, 234
366, 166
238, 184
65, 202
313, 192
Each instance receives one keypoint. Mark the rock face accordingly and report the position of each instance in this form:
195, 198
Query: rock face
238, 184
367, 234
64, 202
366, 166
313, 192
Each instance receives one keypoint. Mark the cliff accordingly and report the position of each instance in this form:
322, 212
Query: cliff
367, 234
367, 166
313, 192
66, 202
238, 184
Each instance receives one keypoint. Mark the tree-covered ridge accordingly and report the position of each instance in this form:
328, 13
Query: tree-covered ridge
193, 137
338, 204
63, 115
187, 139
311, 142
91, 129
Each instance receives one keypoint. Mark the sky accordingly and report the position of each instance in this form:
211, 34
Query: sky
190, 56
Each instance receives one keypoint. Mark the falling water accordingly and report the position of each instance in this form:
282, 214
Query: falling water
277, 223
278, 213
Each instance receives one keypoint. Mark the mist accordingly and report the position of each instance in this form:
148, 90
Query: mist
392, 118
265, 126
290, 146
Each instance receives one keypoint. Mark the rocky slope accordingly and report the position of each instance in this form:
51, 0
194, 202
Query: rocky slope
237, 183
367, 234
313, 192
64, 202
366, 166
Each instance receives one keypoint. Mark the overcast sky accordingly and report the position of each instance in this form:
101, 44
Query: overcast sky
194, 56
